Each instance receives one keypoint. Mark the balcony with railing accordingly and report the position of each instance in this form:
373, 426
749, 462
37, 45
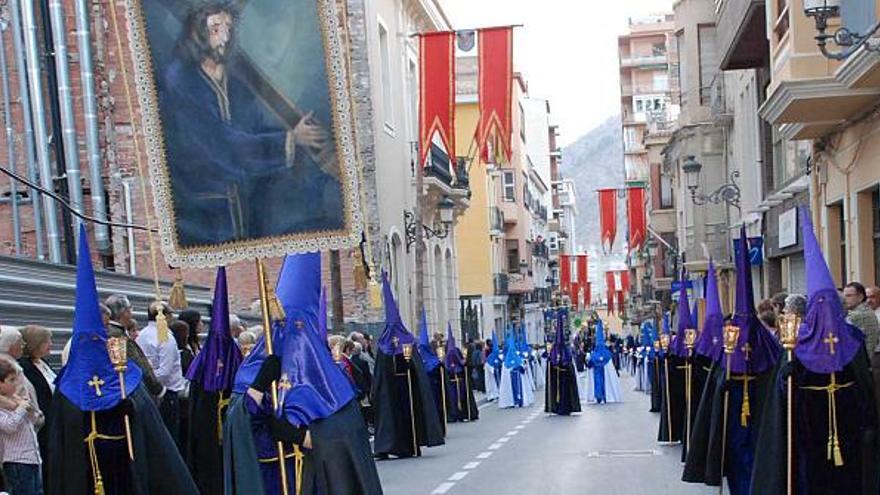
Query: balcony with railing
540, 250
661, 122
438, 164
521, 283
657, 59
501, 283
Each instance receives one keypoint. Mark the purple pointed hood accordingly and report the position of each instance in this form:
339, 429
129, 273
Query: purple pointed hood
826, 342
454, 357
677, 345
757, 350
395, 334
215, 366
561, 351
710, 340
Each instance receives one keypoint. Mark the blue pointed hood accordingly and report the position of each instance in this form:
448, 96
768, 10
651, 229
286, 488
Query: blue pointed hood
825, 321
648, 333
319, 387
395, 334
494, 357
512, 358
600, 355
429, 357
215, 366
89, 380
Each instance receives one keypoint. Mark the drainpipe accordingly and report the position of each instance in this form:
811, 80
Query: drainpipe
28, 135
10, 142
93, 148
38, 110
65, 106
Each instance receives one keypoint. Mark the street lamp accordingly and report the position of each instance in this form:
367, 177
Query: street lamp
728, 193
849, 41
446, 207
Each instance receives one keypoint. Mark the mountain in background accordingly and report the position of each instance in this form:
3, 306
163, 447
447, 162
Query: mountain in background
595, 161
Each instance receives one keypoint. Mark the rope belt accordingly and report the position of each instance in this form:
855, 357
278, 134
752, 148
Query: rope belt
833, 437
93, 453
297, 456
746, 409
221, 404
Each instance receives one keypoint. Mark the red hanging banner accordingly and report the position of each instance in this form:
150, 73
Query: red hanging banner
565, 275
624, 280
620, 306
436, 91
635, 215
495, 88
609, 288
607, 217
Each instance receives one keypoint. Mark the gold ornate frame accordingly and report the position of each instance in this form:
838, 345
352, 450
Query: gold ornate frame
338, 84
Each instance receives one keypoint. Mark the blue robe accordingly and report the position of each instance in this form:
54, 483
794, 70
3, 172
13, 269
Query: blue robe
227, 157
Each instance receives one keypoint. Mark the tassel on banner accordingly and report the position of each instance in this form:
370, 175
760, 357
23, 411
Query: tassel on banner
177, 296
161, 324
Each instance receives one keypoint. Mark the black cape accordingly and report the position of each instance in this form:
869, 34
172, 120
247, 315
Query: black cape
740, 441
157, 468
561, 389
857, 428
462, 406
675, 403
654, 367
700, 366
697, 452
204, 438
339, 462
440, 388
391, 397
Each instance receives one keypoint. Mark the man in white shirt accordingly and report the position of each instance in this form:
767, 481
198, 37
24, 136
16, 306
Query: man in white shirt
164, 357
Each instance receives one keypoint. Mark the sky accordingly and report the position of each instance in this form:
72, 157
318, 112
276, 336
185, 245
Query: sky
567, 49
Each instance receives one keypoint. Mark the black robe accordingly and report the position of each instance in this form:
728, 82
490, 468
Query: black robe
857, 429
654, 367
391, 397
740, 441
339, 462
204, 442
700, 366
675, 403
698, 450
460, 396
440, 388
157, 468
561, 389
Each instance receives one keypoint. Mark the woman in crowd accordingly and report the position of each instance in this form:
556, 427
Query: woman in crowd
194, 319
37, 341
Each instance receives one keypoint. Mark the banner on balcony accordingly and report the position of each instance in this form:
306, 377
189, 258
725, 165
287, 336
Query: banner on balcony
607, 217
620, 307
624, 281
565, 274
436, 91
495, 87
582, 270
635, 215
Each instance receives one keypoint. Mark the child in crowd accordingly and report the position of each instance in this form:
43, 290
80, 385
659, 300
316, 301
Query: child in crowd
18, 437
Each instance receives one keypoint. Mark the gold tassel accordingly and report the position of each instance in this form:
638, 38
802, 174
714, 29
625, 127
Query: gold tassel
177, 296
375, 294
161, 326
359, 271
746, 409
838, 456
276, 311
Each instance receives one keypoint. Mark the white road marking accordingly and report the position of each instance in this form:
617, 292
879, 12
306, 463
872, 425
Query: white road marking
495, 446
442, 488
484, 455
471, 465
503, 439
512, 433
519, 427
458, 476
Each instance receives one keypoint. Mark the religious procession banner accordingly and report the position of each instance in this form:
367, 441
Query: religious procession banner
247, 116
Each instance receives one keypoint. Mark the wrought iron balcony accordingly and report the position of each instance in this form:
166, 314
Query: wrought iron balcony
501, 282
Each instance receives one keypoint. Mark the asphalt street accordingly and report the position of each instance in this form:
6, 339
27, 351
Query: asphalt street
609, 450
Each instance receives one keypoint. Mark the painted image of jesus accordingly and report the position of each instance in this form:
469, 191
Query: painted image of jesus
245, 159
